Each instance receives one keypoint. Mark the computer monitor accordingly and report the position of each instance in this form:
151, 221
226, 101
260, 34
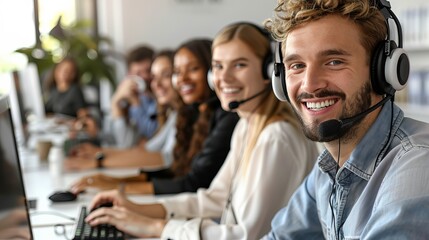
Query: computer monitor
32, 92
14, 218
10, 86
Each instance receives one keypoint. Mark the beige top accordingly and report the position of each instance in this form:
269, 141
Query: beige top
281, 159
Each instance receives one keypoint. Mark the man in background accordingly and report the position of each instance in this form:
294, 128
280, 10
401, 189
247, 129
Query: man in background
133, 105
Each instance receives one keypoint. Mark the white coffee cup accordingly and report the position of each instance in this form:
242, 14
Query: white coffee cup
56, 159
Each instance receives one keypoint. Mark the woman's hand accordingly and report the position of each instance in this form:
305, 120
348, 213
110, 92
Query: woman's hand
85, 150
115, 197
127, 221
98, 181
79, 163
85, 124
126, 91
103, 182
82, 156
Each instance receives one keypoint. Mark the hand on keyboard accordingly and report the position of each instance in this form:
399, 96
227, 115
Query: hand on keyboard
112, 196
106, 204
101, 232
127, 221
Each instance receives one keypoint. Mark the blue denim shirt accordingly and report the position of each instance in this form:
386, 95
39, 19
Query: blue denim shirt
141, 116
379, 193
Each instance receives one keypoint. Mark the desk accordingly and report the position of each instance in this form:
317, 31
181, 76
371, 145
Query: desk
39, 184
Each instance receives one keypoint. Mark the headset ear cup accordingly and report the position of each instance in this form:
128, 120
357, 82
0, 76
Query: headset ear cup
276, 82
397, 69
210, 80
389, 73
268, 63
269, 70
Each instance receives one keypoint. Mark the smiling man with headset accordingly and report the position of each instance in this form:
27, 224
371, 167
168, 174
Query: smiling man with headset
339, 65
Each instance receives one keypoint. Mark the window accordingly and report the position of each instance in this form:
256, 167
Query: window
16, 31
17, 27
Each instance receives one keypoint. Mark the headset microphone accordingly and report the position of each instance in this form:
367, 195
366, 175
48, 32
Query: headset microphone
334, 128
235, 104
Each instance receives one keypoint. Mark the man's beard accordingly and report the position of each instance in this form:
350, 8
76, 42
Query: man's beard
360, 102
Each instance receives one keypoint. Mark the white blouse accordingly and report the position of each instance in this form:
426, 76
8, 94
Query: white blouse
281, 159
164, 140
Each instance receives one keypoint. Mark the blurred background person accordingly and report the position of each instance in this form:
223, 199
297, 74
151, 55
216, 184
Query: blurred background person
64, 94
133, 109
133, 105
66, 103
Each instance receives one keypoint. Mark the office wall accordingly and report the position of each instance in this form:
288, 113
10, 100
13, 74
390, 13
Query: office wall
399, 5
167, 23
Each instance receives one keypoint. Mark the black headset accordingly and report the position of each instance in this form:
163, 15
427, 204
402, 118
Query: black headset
267, 62
389, 67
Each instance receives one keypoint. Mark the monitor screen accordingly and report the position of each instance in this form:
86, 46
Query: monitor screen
14, 219
32, 92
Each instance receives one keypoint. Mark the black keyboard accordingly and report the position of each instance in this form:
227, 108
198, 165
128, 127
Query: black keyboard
101, 232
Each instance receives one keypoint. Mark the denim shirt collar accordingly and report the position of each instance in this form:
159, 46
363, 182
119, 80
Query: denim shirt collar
362, 161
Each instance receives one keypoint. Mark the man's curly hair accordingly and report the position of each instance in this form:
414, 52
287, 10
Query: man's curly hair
291, 14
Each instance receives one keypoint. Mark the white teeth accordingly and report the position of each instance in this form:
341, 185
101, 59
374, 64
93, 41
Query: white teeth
186, 87
319, 105
230, 90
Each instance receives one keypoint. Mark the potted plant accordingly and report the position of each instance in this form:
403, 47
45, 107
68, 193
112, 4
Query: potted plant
77, 42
